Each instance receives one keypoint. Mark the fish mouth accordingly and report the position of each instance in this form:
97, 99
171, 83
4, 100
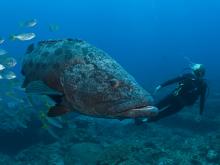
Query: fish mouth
127, 105
134, 109
140, 112
138, 107
152, 110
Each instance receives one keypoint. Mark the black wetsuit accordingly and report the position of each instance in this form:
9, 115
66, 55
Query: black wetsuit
188, 90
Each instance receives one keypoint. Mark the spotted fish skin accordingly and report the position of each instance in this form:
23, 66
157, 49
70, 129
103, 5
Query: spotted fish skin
90, 81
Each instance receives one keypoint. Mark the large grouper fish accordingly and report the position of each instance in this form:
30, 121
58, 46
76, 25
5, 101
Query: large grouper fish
82, 78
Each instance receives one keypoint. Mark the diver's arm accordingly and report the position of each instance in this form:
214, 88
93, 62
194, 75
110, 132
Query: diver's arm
202, 99
173, 81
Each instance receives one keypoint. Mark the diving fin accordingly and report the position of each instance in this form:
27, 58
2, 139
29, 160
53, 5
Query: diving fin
39, 87
57, 110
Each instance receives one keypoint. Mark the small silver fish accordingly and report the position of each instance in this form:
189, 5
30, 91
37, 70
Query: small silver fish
10, 62
53, 27
2, 40
2, 67
23, 36
9, 75
29, 24
3, 52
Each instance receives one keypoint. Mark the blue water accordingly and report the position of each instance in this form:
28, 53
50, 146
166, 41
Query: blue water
145, 37
148, 38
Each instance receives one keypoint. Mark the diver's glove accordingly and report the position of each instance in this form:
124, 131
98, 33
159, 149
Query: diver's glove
158, 88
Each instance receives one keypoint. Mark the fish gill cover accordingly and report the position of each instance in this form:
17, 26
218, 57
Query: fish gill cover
151, 40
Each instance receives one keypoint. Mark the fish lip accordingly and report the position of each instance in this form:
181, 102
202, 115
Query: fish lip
140, 107
128, 105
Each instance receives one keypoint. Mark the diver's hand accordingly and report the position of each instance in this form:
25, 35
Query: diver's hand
158, 88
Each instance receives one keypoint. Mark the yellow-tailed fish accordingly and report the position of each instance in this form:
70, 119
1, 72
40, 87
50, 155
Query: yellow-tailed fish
29, 24
2, 40
2, 67
9, 75
23, 36
9, 62
53, 27
3, 52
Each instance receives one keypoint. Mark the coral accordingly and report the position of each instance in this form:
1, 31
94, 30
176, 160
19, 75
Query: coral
212, 155
85, 153
36, 154
165, 161
85, 140
14, 115
6, 160
55, 154
133, 151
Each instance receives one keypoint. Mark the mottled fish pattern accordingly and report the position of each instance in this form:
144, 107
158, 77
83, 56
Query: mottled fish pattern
88, 79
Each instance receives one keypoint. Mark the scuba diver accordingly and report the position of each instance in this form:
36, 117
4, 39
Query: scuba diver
190, 87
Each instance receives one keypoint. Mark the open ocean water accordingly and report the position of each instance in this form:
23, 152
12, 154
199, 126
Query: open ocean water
153, 40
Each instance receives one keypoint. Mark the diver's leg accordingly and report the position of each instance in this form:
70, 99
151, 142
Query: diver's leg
165, 102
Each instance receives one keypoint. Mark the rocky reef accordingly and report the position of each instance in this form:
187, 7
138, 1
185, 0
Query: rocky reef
87, 140
28, 137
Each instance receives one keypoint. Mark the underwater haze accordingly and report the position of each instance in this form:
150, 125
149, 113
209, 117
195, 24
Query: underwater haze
153, 40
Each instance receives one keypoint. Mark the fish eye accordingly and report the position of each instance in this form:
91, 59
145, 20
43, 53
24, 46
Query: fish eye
115, 83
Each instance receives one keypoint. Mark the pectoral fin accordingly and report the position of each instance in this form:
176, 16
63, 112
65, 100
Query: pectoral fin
57, 110
39, 87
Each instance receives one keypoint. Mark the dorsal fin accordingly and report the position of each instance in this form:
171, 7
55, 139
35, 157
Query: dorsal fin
57, 110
